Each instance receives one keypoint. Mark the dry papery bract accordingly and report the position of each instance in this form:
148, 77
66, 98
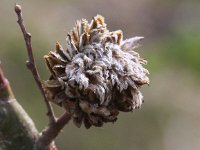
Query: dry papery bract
98, 74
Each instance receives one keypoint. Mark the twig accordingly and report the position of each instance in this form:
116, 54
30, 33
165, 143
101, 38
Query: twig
31, 63
48, 135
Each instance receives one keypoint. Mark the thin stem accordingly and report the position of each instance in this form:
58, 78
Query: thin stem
31, 63
50, 133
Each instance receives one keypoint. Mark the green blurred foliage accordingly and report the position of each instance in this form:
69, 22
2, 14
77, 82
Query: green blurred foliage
169, 118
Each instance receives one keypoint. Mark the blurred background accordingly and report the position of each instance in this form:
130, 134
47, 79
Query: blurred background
170, 117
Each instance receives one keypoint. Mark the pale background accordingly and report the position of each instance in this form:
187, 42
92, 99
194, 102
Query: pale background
169, 118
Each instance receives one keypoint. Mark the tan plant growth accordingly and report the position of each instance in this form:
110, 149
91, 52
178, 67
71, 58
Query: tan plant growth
97, 75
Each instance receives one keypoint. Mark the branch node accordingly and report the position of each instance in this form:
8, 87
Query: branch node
28, 35
28, 64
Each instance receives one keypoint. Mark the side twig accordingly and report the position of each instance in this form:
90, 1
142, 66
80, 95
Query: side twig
31, 63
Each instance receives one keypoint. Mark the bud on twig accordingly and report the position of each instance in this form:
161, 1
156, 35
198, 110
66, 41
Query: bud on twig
18, 8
